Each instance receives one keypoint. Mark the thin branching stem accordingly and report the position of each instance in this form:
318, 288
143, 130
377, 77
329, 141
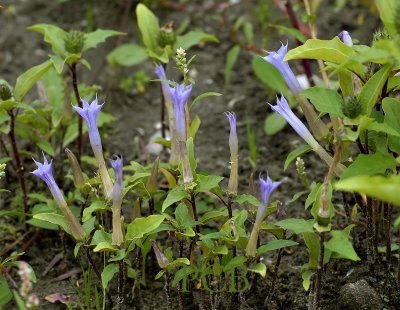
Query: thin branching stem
18, 163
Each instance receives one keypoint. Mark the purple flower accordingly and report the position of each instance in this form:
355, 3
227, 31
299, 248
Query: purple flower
179, 96
44, 171
233, 141
233, 146
344, 36
117, 165
284, 110
117, 193
90, 113
276, 59
160, 71
267, 188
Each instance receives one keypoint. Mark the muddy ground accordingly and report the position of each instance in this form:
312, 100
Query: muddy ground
138, 114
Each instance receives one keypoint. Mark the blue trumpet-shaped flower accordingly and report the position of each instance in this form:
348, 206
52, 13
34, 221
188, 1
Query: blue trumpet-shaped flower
89, 113
117, 165
233, 146
276, 59
284, 110
267, 187
179, 96
44, 171
117, 193
345, 37
233, 140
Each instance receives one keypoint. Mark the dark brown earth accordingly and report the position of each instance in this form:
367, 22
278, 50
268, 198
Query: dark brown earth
139, 113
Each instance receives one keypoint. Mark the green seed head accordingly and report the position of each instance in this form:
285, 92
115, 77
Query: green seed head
167, 35
351, 107
5, 90
381, 34
74, 42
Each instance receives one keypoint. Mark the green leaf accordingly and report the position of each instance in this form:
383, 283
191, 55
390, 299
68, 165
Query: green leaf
340, 245
53, 35
194, 126
370, 165
391, 107
192, 38
205, 183
269, 75
291, 31
104, 247
298, 226
177, 263
231, 59
108, 273
213, 216
306, 276
387, 9
275, 245
55, 91
92, 39
245, 198
148, 26
202, 96
5, 292
58, 63
372, 90
143, 225
325, 100
260, 268
182, 216
95, 206
54, 218
328, 50
234, 263
274, 123
175, 195
296, 153
27, 79
385, 189
192, 159
127, 55
46, 146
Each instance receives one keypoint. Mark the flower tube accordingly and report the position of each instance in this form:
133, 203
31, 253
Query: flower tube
160, 72
179, 96
267, 187
284, 110
233, 146
44, 171
117, 194
276, 59
90, 113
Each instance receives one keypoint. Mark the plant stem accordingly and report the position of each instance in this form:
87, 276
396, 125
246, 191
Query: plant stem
387, 218
194, 209
97, 272
274, 277
19, 167
121, 286
229, 206
318, 282
79, 141
370, 233
167, 291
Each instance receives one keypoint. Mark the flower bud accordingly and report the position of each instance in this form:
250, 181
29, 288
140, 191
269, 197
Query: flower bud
233, 147
76, 169
152, 181
351, 107
162, 260
5, 90
345, 37
74, 42
167, 35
